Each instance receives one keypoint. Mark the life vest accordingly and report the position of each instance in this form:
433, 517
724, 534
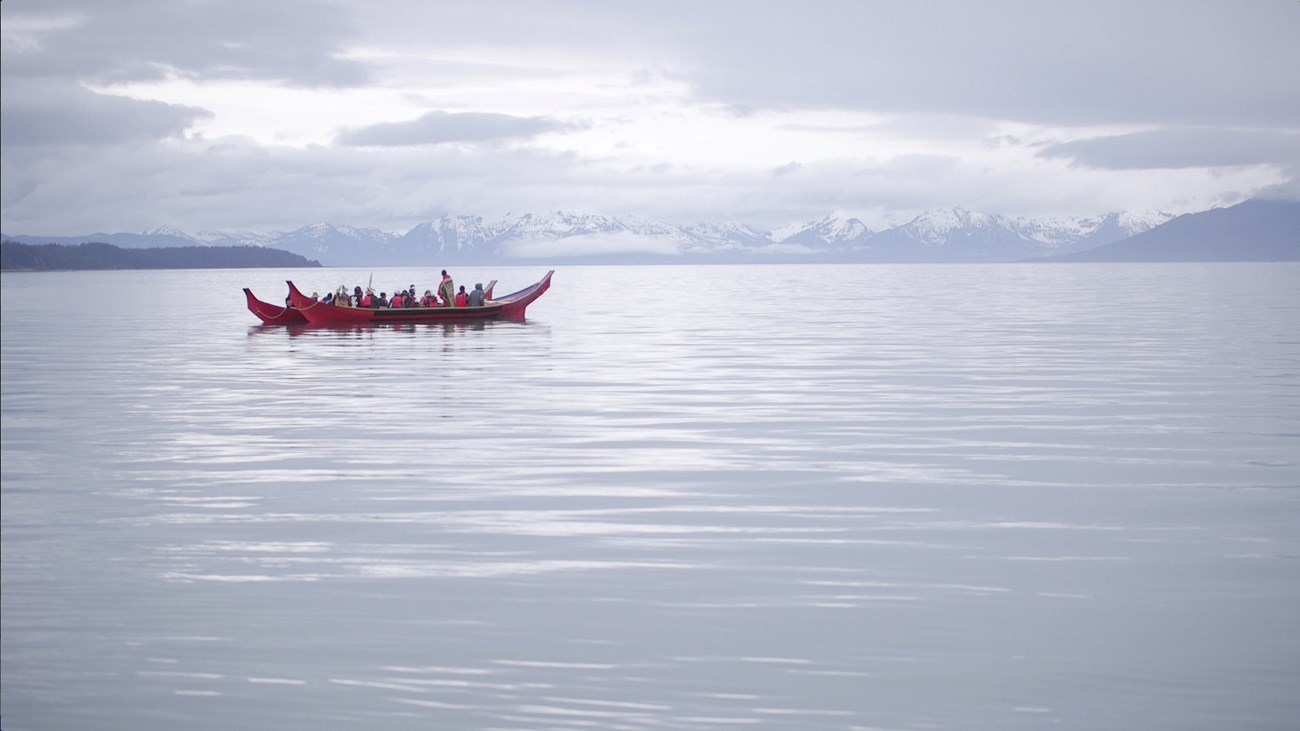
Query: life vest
462, 299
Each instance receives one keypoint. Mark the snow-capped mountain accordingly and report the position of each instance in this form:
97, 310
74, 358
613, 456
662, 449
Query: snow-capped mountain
720, 240
938, 227
174, 233
588, 236
1255, 230
235, 238
449, 238
559, 225
941, 235
951, 235
836, 232
1064, 235
659, 230
337, 244
728, 235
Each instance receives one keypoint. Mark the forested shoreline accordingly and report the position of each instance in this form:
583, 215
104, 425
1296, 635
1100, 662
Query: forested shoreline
15, 256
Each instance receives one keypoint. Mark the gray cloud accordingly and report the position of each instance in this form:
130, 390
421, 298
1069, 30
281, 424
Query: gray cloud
293, 41
1199, 62
1056, 63
1182, 148
439, 127
64, 114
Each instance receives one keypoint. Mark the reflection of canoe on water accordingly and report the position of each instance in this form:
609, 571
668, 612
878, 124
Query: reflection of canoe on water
509, 307
273, 314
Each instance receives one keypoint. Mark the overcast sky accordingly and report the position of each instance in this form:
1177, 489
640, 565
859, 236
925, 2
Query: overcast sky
269, 115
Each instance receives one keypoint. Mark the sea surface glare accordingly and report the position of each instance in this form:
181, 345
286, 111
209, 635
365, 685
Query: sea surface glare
808, 497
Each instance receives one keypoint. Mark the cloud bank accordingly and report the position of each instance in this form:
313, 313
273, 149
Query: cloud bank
255, 115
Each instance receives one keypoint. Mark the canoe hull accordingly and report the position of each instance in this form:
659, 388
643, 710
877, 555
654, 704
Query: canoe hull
271, 314
510, 307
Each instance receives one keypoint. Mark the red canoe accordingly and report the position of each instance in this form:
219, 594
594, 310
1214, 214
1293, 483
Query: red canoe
509, 307
273, 314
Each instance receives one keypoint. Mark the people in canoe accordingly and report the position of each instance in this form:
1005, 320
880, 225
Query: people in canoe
445, 296
370, 300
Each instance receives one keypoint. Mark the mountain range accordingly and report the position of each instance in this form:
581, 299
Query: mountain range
1249, 231
1257, 230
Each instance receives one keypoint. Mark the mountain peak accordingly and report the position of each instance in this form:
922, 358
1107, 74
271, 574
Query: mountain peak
838, 230
169, 231
560, 224
947, 219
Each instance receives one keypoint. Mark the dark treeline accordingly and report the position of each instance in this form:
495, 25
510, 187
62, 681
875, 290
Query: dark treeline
45, 257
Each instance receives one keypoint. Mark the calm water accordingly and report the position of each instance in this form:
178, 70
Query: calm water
821, 497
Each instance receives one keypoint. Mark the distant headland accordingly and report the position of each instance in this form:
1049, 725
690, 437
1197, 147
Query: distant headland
16, 256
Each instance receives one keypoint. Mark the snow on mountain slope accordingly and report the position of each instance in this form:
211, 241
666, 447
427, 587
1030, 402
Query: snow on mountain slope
936, 227
236, 238
451, 233
172, 232
558, 224
1057, 230
1062, 233
949, 234
726, 236
837, 230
